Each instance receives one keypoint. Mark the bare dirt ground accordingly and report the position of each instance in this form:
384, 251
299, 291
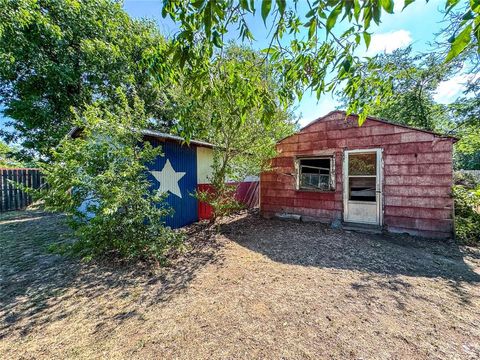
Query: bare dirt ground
260, 289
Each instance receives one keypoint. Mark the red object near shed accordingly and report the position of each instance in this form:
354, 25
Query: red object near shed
379, 174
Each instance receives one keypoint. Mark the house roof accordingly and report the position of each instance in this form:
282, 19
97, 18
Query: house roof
156, 134
162, 135
373, 118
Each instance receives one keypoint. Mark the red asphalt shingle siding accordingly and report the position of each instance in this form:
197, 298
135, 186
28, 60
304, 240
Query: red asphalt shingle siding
417, 174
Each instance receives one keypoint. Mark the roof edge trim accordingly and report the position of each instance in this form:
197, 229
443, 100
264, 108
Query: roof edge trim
158, 135
373, 118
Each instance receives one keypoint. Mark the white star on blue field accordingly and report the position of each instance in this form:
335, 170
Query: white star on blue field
168, 179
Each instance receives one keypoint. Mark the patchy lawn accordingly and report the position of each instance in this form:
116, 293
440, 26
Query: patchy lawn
261, 289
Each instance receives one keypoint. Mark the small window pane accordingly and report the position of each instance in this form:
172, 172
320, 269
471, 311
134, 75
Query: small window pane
315, 181
362, 164
315, 174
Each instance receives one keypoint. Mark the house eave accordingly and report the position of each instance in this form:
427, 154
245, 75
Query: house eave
75, 131
385, 121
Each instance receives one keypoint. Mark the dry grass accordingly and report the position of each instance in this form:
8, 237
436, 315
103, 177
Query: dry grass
260, 289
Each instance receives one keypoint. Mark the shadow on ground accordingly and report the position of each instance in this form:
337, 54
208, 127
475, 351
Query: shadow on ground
37, 286
311, 244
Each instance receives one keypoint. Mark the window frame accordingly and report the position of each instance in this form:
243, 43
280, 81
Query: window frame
331, 181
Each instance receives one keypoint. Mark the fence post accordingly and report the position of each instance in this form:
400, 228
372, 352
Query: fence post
12, 197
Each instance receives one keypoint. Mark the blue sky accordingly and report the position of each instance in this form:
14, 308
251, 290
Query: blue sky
414, 26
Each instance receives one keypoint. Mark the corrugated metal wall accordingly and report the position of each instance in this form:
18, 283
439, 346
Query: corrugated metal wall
183, 159
205, 211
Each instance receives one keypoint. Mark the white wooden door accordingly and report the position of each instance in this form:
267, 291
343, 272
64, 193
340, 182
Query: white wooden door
362, 190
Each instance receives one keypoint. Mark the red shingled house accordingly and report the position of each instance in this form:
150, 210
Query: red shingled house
379, 174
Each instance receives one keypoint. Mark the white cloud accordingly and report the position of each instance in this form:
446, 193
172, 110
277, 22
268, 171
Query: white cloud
448, 91
388, 42
398, 6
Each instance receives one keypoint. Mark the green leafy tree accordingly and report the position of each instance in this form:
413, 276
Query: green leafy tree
414, 80
308, 48
245, 140
7, 156
99, 181
467, 127
56, 55
466, 113
466, 193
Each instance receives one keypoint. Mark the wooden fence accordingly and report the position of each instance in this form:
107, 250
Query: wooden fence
11, 196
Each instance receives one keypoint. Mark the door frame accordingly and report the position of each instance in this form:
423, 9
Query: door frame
379, 181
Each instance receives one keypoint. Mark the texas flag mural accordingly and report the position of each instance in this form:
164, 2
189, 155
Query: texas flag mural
178, 174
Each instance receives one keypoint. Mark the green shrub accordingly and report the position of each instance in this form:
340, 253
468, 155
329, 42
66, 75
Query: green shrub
104, 171
467, 205
222, 200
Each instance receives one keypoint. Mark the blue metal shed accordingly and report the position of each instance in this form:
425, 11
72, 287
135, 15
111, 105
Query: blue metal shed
176, 174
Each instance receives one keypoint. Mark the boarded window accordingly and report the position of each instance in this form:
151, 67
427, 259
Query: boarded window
315, 174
